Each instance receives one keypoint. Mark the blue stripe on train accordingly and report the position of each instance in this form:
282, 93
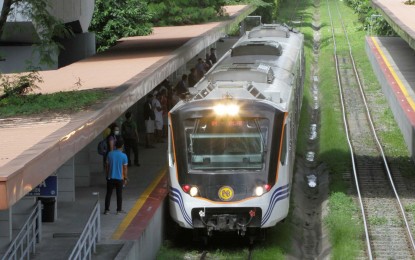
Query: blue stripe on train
176, 196
279, 194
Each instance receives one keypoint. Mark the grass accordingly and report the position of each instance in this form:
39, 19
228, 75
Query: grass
342, 220
410, 208
345, 225
60, 102
378, 221
345, 228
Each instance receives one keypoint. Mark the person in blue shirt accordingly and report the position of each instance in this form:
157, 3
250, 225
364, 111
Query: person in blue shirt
116, 173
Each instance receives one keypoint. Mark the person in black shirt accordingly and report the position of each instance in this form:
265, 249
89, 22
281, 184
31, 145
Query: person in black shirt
212, 56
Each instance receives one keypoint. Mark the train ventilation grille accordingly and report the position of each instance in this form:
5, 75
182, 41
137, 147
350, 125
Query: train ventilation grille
255, 92
204, 92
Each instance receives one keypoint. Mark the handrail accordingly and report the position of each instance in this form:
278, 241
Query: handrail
25, 242
89, 237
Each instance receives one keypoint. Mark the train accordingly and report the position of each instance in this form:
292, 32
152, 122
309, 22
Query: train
231, 141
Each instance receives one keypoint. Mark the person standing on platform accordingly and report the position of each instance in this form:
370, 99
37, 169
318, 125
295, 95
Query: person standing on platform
192, 77
181, 86
212, 56
208, 62
158, 122
117, 175
149, 120
164, 107
130, 136
200, 68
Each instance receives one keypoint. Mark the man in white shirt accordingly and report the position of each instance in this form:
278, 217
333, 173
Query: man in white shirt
158, 122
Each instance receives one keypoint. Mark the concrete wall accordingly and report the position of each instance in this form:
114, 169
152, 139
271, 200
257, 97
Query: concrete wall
77, 48
66, 181
82, 168
5, 229
407, 129
78, 11
150, 241
16, 59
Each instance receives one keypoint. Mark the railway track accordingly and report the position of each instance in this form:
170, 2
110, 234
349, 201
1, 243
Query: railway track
387, 229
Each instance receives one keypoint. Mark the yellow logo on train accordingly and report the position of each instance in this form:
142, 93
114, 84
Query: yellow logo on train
225, 193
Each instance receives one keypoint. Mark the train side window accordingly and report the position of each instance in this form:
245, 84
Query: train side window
170, 150
284, 147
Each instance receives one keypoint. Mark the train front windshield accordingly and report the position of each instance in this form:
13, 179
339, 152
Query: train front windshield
226, 143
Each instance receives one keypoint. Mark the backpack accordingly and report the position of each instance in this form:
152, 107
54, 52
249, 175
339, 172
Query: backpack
128, 130
103, 147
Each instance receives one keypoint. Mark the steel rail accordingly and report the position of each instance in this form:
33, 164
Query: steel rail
385, 163
352, 155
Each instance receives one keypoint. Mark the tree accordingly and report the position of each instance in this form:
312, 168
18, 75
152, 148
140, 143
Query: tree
181, 12
114, 19
49, 28
267, 9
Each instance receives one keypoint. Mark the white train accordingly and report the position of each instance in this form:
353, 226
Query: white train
232, 144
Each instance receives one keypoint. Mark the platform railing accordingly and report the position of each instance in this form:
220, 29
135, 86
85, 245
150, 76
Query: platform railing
90, 236
25, 242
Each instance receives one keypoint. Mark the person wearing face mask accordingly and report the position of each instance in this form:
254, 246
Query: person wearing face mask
113, 137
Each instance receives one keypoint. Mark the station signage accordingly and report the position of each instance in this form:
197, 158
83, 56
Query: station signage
48, 188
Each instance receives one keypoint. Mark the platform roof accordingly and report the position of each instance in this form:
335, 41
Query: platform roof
400, 16
36, 147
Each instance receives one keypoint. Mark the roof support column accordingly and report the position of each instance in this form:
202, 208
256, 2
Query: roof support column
82, 168
66, 181
5, 229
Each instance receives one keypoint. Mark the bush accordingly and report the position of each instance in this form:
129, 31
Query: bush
370, 18
184, 12
115, 19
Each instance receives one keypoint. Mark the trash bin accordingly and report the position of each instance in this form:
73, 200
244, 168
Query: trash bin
48, 209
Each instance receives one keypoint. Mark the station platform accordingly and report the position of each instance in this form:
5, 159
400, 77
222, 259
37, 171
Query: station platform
400, 17
143, 195
393, 62
128, 71
66, 145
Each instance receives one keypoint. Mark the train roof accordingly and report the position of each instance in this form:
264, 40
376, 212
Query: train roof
259, 47
260, 68
269, 30
260, 73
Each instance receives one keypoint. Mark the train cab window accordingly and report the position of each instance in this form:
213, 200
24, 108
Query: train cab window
284, 147
219, 144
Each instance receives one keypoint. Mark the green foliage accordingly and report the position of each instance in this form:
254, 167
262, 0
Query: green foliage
378, 220
410, 208
370, 18
48, 27
342, 222
63, 102
182, 12
115, 19
19, 84
267, 9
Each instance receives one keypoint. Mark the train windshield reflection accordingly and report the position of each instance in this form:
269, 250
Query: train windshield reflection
226, 144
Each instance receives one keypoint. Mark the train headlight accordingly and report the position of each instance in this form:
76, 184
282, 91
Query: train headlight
226, 109
191, 190
260, 190
194, 191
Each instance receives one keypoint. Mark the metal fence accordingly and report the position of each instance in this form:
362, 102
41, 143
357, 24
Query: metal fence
90, 236
25, 242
